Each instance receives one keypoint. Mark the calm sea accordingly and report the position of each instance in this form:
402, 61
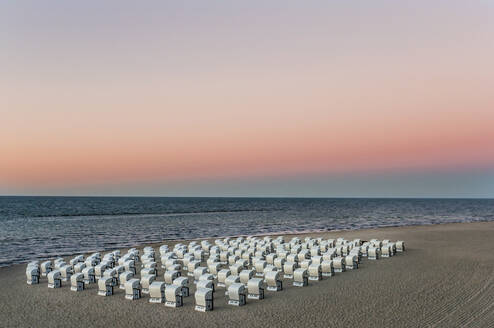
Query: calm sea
44, 227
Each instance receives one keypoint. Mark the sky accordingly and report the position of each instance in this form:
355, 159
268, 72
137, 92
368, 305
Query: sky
247, 98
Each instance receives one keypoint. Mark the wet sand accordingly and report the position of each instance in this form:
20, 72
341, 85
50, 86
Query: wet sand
444, 279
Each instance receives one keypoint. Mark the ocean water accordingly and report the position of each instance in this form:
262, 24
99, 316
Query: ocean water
45, 227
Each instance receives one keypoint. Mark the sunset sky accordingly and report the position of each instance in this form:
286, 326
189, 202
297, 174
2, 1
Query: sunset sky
247, 98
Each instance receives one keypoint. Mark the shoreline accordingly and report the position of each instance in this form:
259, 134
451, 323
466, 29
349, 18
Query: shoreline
280, 233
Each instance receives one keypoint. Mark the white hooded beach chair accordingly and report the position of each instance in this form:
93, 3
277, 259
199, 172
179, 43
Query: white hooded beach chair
255, 289
232, 259
89, 277
192, 266
45, 268
235, 269
124, 277
400, 246
66, 272
339, 264
300, 278
386, 250
224, 255
183, 282
279, 262
327, 269
133, 289
292, 258
77, 282
351, 262
315, 272
198, 272
54, 279
79, 267
373, 253
173, 296
105, 286
169, 276
222, 275
204, 299
288, 269
229, 281
245, 276
130, 266
236, 294
259, 267
146, 281
214, 268
148, 272
32, 275
157, 292
209, 284
305, 264
273, 281
100, 269
206, 277
271, 257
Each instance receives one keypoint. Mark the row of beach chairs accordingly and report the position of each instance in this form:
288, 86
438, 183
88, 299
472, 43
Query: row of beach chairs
244, 267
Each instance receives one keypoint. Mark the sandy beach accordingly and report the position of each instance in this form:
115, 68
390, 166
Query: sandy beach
444, 279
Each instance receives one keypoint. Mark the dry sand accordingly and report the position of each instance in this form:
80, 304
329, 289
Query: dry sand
444, 279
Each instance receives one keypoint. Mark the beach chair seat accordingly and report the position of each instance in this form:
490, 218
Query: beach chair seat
259, 267
105, 286
236, 294
146, 281
303, 255
300, 277
271, 257
192, 266
204, 299
231, 280
100, 269
273, 281
339, 264
124, 277
327, 269
255, 288
130, 266
224, 255
245, 275
66, 272
235, 269
79, 267
279, 262
315, 272
305, 264
157, 292
214, 268
148, 272
206, 277
173, 296
46, 268
351, 262
32, 275
400, 246
232, 259
222, 275
373, 253
133, 289
89, 277
77, 282
171, 275
183, 282
54, 279
293, 258
213, 258
243, 263
386, 250
316, 259
198, 272
288, 269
